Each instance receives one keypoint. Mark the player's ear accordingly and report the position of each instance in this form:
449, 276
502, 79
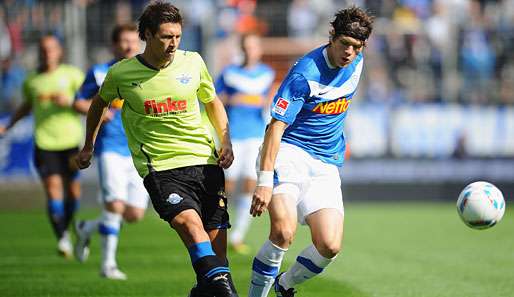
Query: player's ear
148, 34
331, 35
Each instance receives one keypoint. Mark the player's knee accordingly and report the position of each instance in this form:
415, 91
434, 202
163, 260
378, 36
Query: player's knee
328, 249
282, 236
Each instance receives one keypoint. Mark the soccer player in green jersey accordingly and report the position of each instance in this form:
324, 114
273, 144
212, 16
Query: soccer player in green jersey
170, 146
49, 94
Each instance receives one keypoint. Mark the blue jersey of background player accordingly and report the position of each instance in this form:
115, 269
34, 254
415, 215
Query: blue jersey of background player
244, 89
298, 178
111, 136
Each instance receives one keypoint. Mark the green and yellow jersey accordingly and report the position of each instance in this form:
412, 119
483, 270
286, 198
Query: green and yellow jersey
56, 128
161, 112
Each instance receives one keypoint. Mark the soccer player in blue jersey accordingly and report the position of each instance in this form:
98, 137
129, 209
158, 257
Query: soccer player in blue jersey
304, 144
244, 89
122, 191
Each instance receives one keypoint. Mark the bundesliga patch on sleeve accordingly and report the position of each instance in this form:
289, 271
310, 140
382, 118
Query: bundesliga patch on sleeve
281, 106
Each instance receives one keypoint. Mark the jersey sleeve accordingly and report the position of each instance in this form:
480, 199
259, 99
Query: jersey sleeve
206, 92
109, 89
290, 98
89, 87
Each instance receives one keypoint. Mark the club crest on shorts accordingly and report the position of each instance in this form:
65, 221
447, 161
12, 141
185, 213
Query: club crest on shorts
222, 203
174, 198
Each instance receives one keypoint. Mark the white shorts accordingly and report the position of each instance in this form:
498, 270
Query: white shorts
312, 183
245, 154
119, 180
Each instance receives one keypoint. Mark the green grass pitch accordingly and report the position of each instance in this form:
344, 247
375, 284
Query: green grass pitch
390, 250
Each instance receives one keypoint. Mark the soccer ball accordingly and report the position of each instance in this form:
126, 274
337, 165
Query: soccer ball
481, 205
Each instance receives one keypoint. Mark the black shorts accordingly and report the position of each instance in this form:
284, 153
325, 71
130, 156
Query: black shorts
200, 187
56, 162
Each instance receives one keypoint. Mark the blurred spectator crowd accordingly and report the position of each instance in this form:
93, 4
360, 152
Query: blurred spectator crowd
422, 51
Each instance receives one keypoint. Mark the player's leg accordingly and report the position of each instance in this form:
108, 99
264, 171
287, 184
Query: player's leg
250, 150
47, 165
321, 207
70, 177
175, 195
266, 264
232, 177
326, 227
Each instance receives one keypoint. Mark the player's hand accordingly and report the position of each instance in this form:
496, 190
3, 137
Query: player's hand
261, 200
60, 100
108, 116
3, 130
226, 156
83, 159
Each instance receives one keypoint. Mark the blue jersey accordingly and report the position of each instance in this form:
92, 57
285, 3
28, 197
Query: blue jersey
111, 137
313, 100
247, 91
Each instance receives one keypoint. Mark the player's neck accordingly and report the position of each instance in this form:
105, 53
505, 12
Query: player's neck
155, 62
330, 58
249, 64
48, 67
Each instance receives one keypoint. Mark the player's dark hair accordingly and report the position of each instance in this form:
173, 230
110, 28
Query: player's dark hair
155, 14
353, 22
119, 29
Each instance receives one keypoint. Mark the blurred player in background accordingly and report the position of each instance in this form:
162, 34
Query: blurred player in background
49, 94
170, 145
122, 191
303, 146
244, 88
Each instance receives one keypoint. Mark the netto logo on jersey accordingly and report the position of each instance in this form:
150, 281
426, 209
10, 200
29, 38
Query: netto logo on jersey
169, 106
333, 107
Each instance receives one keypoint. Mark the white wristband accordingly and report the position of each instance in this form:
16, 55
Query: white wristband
265, 179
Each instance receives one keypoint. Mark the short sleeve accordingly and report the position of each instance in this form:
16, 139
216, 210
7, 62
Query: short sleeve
206, 92
109, 88
89, 87
291, 96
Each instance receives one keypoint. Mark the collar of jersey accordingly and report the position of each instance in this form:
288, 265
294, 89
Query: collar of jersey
142, 61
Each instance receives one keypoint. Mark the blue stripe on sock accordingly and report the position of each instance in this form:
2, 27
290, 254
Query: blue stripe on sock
216, 270
56, 207
200, 250
309, 264
107, 230
264, 269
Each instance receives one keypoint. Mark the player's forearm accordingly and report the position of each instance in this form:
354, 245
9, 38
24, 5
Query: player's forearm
218, 117
82, 106
93, 121
20, 113
271, 144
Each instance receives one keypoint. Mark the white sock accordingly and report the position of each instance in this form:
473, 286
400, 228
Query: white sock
109, 229
308, 264
243, 217
92, 225
266, 266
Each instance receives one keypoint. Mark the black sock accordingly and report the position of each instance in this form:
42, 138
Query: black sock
70, 208
55, 210
207, 267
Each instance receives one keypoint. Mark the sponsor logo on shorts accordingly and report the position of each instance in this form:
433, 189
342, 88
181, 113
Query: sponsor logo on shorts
333, 107
174, 198
281, 106
169, 106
